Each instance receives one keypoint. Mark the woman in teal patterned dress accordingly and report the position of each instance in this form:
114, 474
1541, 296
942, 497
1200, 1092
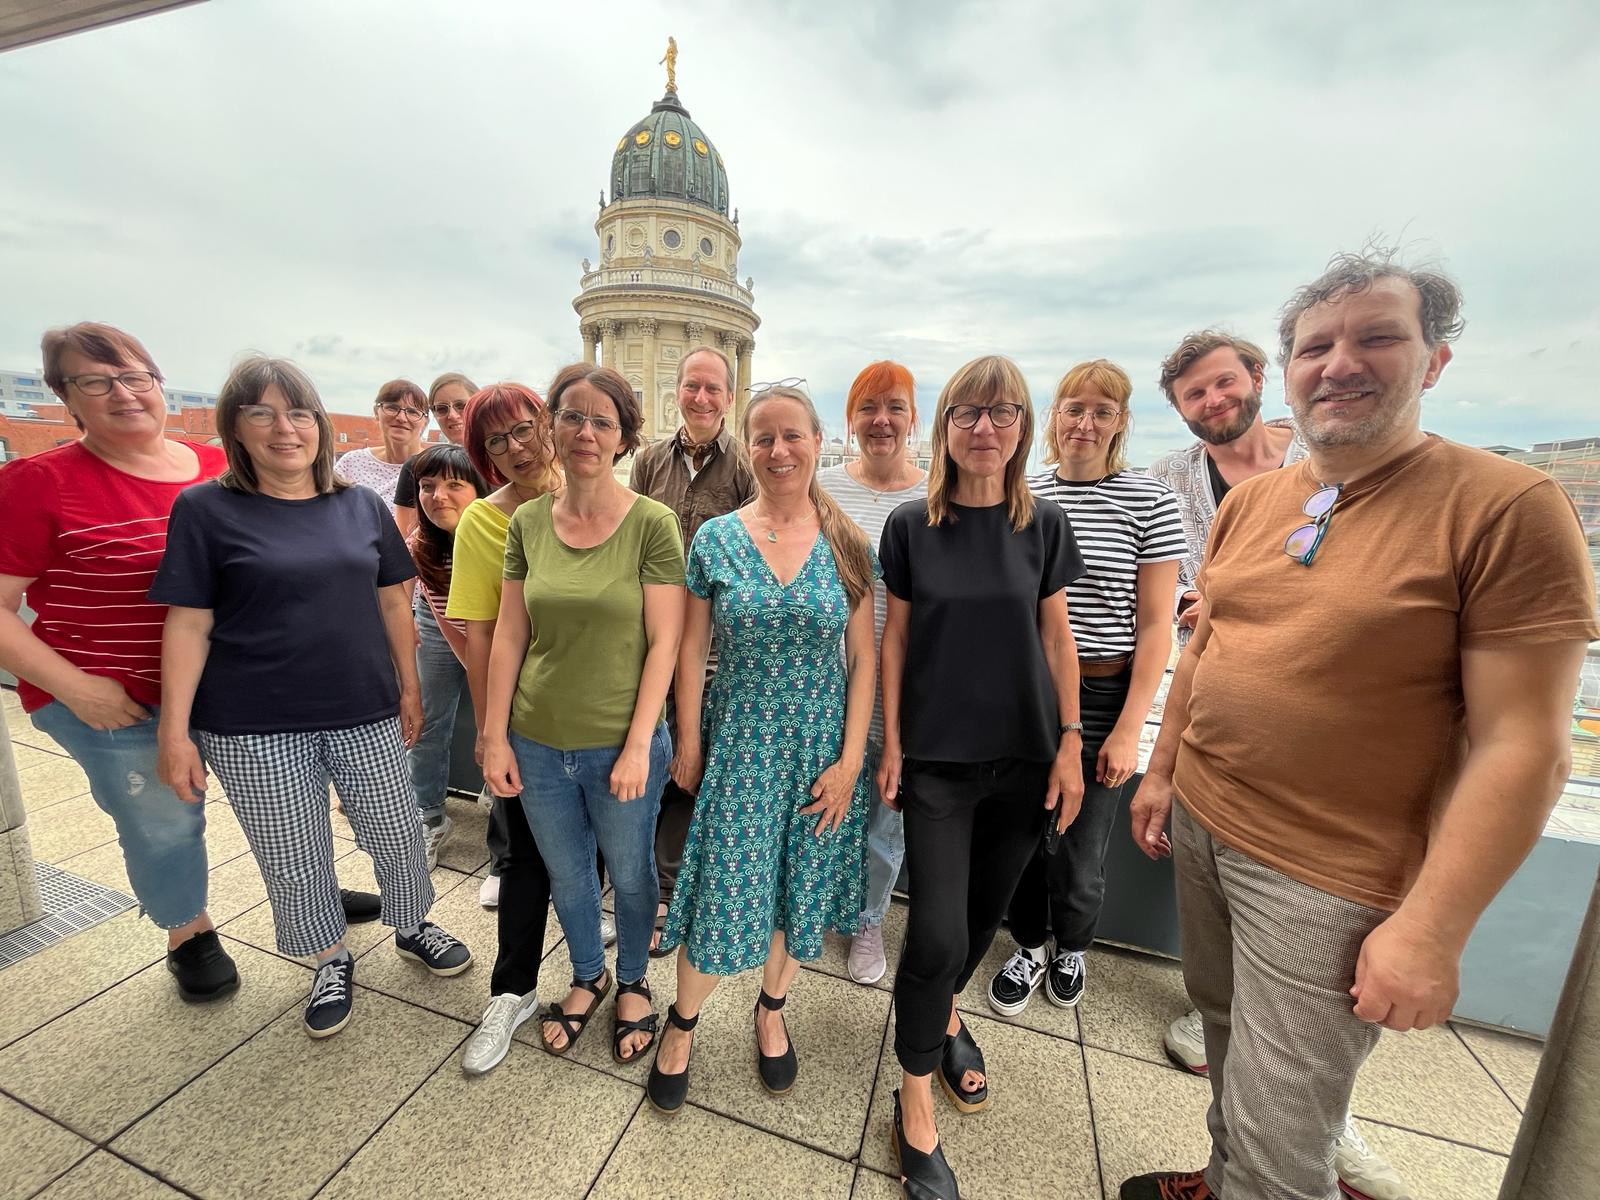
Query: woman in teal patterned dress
776, 852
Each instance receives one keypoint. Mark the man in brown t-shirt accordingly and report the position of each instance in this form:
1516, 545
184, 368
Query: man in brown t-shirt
1366, 733
700, 472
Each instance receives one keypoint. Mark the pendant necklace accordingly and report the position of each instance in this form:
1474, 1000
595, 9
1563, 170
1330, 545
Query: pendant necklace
772, 530
1085, 496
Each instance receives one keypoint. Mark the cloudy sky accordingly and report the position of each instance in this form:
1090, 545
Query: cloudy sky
380, 189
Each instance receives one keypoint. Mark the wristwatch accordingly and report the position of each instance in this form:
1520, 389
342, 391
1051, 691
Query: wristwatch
1073, 727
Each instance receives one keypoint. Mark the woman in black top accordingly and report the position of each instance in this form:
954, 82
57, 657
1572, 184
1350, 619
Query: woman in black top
981, 739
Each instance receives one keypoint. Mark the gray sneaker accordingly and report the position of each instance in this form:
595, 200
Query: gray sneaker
491, 1042
866, 963
434, 837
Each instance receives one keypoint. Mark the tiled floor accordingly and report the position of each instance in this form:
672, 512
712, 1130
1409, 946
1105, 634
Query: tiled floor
110, 1087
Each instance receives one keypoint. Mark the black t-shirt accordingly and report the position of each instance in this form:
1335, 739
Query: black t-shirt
977, 686
298, 642
405, 488
1219, 485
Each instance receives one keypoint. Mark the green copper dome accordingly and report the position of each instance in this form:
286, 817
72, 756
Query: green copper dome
667, 155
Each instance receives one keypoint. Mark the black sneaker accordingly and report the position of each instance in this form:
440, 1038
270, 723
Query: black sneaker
360, 907
1014, 984
1063, 982
333, 994
434, 949
202, 969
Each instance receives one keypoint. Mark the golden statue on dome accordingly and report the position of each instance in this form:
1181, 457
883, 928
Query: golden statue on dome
671, 60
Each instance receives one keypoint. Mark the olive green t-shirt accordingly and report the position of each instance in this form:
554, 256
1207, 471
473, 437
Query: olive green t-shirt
586, 649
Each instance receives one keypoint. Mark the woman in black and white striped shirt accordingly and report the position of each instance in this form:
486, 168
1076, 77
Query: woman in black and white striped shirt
1131, 537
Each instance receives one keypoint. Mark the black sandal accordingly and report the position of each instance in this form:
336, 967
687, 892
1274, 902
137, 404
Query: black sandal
667, 1093
777, 1071
926, 1176
656, 951
961, 1054
573, 1024
622, 1029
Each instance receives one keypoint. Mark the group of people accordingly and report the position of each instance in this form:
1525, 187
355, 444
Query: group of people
753, 694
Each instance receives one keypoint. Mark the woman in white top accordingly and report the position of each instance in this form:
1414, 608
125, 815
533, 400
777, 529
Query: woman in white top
402, 412
881, 410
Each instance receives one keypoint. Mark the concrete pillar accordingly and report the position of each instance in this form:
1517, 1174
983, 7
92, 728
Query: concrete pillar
746, 350
19, 887
695, 331
608, 344
652, 401
1557, 1153
588, 332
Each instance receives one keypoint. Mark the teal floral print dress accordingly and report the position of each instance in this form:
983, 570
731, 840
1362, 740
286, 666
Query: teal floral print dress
774, 721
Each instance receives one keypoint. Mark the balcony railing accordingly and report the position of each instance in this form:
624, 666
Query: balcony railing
665, 279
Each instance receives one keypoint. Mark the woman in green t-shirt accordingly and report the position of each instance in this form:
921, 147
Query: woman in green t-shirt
591, 612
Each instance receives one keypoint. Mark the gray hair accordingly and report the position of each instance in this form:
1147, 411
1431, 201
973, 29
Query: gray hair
1348, 273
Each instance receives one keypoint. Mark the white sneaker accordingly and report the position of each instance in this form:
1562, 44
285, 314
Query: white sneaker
489, 892
492, 1041
608, 931
867, 963
1185, 1042
434, 837
1363, 1172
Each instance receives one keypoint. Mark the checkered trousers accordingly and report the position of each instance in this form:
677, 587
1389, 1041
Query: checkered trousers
277, 784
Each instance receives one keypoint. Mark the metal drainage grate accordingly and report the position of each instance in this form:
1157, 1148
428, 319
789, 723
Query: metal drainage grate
71, 905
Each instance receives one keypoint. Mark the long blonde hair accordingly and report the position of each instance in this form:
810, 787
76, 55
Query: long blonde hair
852, 557
992, 377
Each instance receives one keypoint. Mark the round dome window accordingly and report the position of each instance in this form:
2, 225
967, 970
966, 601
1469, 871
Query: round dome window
672, 138
706, 247
672, 239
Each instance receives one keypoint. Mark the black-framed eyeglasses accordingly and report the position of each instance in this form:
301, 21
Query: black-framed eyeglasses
522, 433
403, 410
572, 419
1001, 416
100, 385
444, 410
265, 415
1303, 543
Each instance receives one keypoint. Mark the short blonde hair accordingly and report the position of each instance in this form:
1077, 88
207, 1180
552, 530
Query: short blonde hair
1103, 376
992, 377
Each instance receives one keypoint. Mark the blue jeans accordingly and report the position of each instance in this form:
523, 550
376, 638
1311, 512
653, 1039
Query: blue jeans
442, 677
163, 838
886, 845
567, 796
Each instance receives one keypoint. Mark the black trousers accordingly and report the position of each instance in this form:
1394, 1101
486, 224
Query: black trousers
970, 828
524, 904
1069, 887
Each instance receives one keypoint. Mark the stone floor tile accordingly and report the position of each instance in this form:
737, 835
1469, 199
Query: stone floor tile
69, 827
836, 949
730, 1161
1034, 1079
1129, 1001
49, 780
1512, 1060
1435, 1169
104, 1176
29, 756
107, 1062
44, 985
1040, 1013
283, 1112
1428, 1081
33, 1150
233, 887
874, 1185
1146, 1117
457, 1136
467, 850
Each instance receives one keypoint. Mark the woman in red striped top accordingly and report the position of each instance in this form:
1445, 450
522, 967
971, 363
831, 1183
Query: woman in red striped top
86, 527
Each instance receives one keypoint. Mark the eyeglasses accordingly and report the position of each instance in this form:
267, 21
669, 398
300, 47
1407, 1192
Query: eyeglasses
1001, 416
444, 410
402, 410
1302, 544
265, 415
100, 385
1103, 418
522, 433
574, 420
794, 381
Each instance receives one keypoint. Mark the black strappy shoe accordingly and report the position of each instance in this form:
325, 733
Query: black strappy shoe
961, 1054
927, 1176
777, 1071
667, 1093
573, 1024
621, 1029
657, 950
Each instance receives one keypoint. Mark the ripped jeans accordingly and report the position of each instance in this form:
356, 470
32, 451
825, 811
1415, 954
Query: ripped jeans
163, 838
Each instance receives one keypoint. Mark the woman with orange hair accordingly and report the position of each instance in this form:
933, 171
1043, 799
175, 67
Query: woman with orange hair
881, 411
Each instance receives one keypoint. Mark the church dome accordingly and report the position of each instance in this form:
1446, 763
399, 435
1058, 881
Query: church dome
668, 156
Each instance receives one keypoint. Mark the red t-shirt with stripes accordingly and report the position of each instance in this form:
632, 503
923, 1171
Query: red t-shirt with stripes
90, 537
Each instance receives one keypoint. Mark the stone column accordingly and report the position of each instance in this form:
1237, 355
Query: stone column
19, 887
608, 344
589, 333
652, 401
746, 350
695, 331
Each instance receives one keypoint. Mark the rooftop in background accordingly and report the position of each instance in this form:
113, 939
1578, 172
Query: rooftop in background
23, 22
